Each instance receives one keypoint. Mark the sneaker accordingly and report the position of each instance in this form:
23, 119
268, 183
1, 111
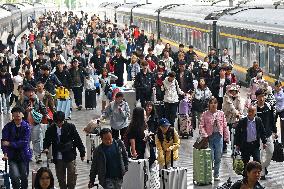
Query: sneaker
217, 178
38, 160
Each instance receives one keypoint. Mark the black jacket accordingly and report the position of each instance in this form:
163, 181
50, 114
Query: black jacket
241, 132
215, 86
189, 56
6, 87
188, 80
238, 185
99, 162
50, 82
69, 141
267, 117
99, 62
64, 77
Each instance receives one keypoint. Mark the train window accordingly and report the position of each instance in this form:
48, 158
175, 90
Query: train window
244, 54
238, 51
262, 57
252, 53
184, 36
271, 60
204, 47
281, 75
188, 42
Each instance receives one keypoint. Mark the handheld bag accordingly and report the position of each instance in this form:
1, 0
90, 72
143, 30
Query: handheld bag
278, 154
201, 143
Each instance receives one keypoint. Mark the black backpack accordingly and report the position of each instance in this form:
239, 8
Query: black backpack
278, 154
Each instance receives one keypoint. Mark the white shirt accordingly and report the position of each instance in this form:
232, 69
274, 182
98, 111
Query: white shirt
221, 90
59, 154
159, 49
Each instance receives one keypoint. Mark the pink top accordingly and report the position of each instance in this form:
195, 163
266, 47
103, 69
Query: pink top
207, 122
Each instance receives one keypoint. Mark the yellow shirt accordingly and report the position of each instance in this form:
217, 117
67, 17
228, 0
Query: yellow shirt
173, 144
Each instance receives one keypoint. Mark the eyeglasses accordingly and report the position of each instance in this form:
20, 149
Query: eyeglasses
44, 178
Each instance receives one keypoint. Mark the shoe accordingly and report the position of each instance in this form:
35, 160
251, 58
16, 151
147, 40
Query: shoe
79, 107
38, 160
217, 179
262, 177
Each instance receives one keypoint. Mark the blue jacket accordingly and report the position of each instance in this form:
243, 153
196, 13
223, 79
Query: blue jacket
22, 144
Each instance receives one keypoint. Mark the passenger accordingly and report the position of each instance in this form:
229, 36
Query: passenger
99, 61
40, 61
249, 132
169, 49
136, 135
133, 68
144, 83
151, 56
152, 41
265, 112
118, 112
213, 125
251, 178
16, 148
256, 83
63, 75
44, 179
119, 62
231, 76
232, 109
167, 142
226, 58
158, 50
180, 49
168, 61
27, 65
213, 69
219, 85
189, 56
252, 72
184, 78
64, 139
110, 162
171, 98
200, 100
142, 40
213, 56
22, 45
6, 89
31, 52
11, 41
279, 96
77, 75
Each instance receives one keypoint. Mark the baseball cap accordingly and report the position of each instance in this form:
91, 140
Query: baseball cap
164, 122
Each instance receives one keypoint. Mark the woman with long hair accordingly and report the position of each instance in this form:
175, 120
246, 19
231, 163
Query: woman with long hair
135, 135
44, 179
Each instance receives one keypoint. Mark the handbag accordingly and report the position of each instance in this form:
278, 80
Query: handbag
238, 164
201, 143
278, 154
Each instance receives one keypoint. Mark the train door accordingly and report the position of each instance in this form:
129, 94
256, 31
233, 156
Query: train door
252, 54
281, 64
244, 50
271, 61
231, 49
238, 51
262, 57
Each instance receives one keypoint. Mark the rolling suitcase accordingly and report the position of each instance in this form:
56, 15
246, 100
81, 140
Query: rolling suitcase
4, 177
64, 105
154, 176
90, 99
202, 167
173, 177
137, 175
185, 128
130, 98
92, 141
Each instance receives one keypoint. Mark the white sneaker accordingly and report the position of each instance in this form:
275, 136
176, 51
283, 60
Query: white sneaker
217, 179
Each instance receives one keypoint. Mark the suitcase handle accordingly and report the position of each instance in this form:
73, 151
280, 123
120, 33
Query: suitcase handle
6, 166
172, 159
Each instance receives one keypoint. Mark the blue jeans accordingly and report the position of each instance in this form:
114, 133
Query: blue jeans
19, 174
216, 146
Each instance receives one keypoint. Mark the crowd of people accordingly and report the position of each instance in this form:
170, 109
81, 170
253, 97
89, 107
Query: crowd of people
82, 53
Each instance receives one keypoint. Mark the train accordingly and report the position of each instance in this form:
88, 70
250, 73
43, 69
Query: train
15, 17
251, 32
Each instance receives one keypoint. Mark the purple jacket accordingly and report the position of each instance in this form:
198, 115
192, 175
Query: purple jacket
22, 144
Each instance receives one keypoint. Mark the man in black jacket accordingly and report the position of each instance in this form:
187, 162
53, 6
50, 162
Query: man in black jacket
6, 89
110, 162
64, 139
184, 78
144, 82
99, 61
249, 131
218, 86
63, 75
265, 112
119, 62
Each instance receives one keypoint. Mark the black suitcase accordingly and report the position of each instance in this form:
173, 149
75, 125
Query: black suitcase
90, 99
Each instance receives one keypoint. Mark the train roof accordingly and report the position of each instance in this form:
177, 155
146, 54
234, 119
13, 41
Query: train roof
266, 20
192, 13
126, 7
4, 13
148, 9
